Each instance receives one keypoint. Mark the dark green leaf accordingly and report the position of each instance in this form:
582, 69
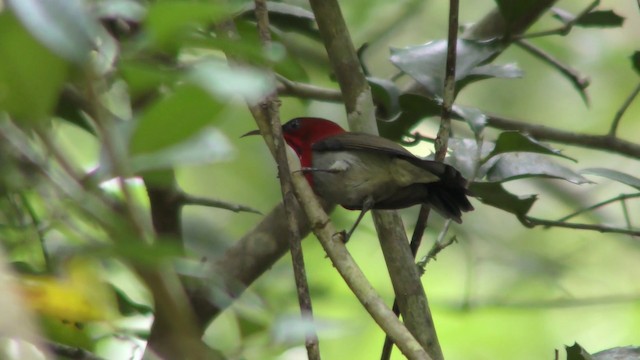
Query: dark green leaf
143, 78
386, 96
174, 119
413, 109
128, 307
426, 63
495, 195
635, 61
63, 26
604, 18
614, 175
287, 17
577, 352
514, 141
511, 166
31, 76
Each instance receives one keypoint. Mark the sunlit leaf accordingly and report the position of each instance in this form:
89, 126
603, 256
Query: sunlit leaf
614, 175
64, 26
222, 81
205, 147
619, 353
426, 63
167, 22
515, 141
174, 119
31, 76
511, 166
495, 195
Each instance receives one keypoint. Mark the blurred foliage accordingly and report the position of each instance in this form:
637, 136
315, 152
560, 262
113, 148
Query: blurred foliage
95, 90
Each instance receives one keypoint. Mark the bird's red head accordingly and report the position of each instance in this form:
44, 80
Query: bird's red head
302, 133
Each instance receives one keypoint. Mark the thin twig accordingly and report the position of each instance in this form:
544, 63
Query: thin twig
621, 111
564, 29
270, 110
306, 91
579, 81
621, 197
187, 199
529, 221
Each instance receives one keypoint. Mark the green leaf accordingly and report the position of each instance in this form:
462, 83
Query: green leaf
463, 155
426, 63
635, 61
495, 195
511, 166
224, 82
130, 10
413, 109
614, 175
63, 26
143, 78
601, 19
619, 353
577, 352
173, 119
31, 76
168, 22
515, 141
474, 117
207, 146
563, 15
386, 96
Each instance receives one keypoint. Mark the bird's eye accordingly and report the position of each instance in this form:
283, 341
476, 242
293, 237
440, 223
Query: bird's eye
292, 125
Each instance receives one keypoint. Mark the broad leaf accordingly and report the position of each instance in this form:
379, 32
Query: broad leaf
614, 175
474, 117
495, 195
386, 96
205, 147
174, 119
413, 109
515, 141
31, 76
168, 22
463, 155
426, 63
619, 353
604, 18
63, 26
511, 166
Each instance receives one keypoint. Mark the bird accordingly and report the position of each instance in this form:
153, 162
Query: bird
360, 171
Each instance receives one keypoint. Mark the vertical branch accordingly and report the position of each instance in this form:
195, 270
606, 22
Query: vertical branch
270, 110
412, 299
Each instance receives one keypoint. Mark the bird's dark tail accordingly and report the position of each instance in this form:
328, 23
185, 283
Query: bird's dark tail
449, 196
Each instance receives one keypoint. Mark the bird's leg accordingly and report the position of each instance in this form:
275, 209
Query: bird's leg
366, 206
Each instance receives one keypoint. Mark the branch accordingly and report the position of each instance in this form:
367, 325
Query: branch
622, 110
306, 91
621, 197
564, 29
531, 222
187, 199
541, 132
579, 81
272, 117
393, 239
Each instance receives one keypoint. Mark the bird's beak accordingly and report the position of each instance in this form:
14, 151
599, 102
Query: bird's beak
253, 132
